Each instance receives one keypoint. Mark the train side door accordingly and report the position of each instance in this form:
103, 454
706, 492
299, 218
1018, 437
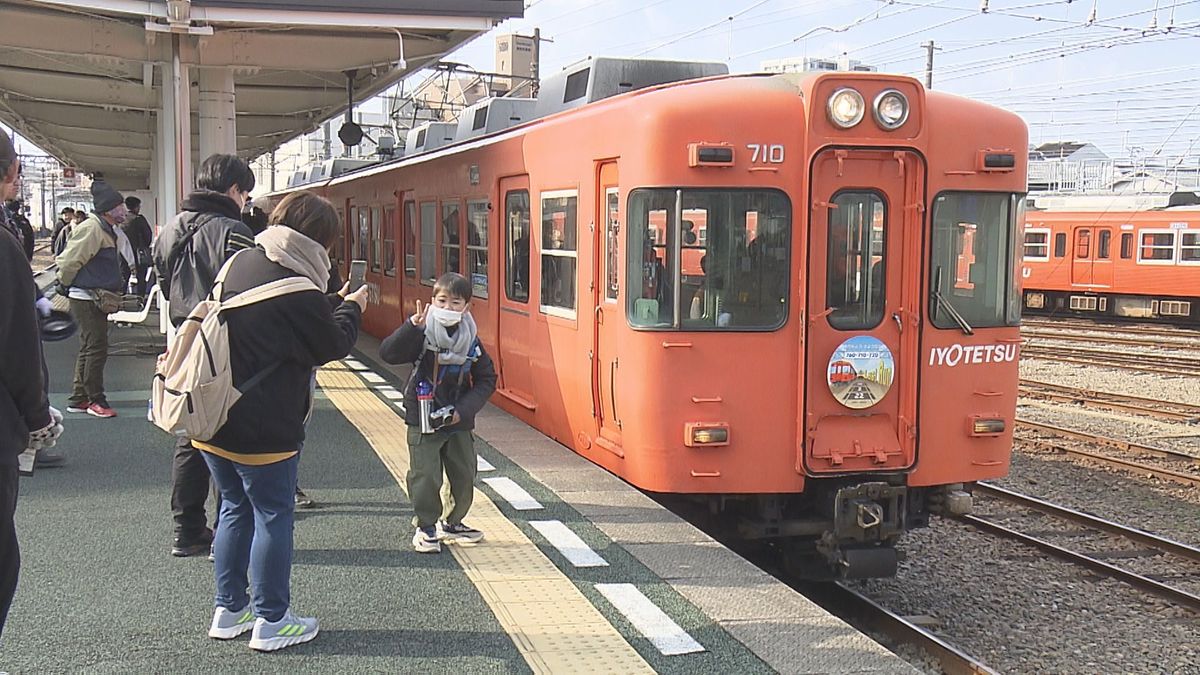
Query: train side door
1091, 263
513, 326
864, 271
609, 317
1082, 252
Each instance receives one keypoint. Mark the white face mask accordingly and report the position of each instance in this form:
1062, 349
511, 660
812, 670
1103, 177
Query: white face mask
446, 317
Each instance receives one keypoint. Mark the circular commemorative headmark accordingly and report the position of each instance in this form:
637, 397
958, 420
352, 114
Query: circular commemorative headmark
860, 372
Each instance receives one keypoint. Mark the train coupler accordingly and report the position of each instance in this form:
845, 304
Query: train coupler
869, 513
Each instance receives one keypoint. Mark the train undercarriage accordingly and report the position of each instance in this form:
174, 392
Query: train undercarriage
839, 528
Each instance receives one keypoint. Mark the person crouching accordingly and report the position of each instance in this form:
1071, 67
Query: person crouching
254, 455
455, 377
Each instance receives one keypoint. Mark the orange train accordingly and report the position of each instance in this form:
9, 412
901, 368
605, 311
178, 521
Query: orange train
667, 261
1141, 265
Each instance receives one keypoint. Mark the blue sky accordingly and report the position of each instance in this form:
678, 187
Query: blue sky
1116, 81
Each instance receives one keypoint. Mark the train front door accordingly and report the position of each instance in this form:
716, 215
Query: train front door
863, 306
609, 317
1091, 257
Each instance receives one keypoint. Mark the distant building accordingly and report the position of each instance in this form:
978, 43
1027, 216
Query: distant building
1069, 166
514, 65
809, 64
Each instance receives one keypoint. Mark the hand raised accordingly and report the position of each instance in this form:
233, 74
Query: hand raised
418, 318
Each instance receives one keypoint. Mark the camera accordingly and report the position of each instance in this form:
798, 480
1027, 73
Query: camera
441, 417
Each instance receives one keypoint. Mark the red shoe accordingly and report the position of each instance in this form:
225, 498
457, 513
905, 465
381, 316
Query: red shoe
97, 410
79, 407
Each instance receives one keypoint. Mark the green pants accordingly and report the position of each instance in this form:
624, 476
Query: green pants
429, 456
93, 353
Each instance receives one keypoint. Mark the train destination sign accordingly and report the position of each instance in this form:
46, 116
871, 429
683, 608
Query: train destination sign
860, 372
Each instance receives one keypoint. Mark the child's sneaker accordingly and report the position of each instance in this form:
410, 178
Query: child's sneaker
290, 630
227, 625
458, 534
425, 540
81, 407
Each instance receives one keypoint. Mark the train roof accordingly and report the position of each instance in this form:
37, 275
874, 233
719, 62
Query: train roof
1182, 200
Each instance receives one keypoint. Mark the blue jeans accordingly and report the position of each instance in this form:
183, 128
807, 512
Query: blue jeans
254, 532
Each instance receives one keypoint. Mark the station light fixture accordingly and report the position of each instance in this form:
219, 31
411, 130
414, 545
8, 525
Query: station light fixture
846, 108
891, 109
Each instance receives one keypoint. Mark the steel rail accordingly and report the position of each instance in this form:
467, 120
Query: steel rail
1110, 401
1165, 474
1112, 328
1087, 357
874, 616
1138, 581
1119, 444
1131, 533
1148, 340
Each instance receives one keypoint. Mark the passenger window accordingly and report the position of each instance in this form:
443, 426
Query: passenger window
477, 251
612, 244
364, 233
1060, 244
410, 240
857, 260
1189, 247
1037, 245
1127, 245
516, 258
376, 239
428, 242
559, 252
389, 241
1083, 244
339, 244
451, 238
1102, 244
1157, 246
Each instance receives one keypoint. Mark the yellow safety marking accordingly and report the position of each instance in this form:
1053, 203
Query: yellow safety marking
554, 626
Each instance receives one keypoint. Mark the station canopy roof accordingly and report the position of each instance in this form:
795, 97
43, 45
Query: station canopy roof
78, 77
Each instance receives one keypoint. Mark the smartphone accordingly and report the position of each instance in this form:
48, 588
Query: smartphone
358, 274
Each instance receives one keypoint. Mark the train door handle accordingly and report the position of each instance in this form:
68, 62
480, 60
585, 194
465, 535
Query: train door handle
599, 315
899, 321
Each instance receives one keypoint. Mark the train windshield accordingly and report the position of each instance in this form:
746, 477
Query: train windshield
708, 259
974, 273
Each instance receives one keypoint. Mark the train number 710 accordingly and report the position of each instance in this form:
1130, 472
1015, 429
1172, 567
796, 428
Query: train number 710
765, 154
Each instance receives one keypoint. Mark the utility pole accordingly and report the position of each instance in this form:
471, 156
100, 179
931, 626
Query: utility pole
535, 67
929, 64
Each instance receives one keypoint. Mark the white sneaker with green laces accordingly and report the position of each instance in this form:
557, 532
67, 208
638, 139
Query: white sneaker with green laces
227, 625
290, 630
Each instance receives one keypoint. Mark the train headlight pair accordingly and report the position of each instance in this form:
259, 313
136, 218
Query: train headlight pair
847, 108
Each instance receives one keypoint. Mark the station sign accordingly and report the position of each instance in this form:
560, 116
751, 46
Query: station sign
69, 177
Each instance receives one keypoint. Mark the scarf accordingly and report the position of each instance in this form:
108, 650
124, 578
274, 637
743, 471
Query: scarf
451, 349
296, 252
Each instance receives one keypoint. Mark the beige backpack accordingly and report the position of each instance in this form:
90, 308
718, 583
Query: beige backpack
193, 387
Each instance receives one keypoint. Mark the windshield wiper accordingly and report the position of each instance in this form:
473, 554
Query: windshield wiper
943, 303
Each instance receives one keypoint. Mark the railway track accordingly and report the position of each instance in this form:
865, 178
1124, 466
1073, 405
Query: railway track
1105, 539
1150, 339
1102, 400
1122, 360
1127, 330
1164, 463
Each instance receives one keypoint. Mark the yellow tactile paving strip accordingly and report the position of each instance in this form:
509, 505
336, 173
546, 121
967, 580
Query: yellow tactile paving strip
555, 628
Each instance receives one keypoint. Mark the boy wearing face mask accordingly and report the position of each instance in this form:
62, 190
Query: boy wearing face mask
441, 341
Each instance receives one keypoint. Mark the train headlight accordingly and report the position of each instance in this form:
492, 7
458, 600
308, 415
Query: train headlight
891, 109
701, 434
846, 108
987, 426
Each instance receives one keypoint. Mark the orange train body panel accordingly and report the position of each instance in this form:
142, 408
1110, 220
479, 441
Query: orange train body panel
716, 297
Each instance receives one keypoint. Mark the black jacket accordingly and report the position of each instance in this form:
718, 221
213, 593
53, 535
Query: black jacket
300, 332
407, 345
23, 404
137, 229
220, 233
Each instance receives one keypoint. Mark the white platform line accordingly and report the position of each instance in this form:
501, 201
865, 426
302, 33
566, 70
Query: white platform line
390, 393
372, 377
482, 464
649, 620
355, 364
568, 543
514, 494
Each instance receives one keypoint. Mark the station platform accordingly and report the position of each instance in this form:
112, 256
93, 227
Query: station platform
580, 573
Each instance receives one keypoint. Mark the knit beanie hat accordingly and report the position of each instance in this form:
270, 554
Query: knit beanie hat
104, 197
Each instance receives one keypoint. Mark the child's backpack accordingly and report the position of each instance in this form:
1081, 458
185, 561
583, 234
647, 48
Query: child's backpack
193, 387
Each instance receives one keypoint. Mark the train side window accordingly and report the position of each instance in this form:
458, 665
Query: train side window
451, 238
857, 260
516, 258
362, 250
389, 241
1103, 244
1127, 245
1157, 247
612, 243
1189, 248
1037, 245
560, 251
1060, 244
428, 242
376, 239
410, 239
477, 243
339, 245
1083, 243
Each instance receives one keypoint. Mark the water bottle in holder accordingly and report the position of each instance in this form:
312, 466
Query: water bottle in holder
425, 402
